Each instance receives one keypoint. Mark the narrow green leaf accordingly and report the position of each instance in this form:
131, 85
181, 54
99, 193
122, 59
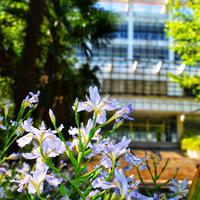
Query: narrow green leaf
62, 190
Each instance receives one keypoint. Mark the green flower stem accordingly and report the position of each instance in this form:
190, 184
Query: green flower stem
149, 169
68, 151
158, 187
88, 140
10, 140
112, 170
89, 187
112, 118
155, 170
163, 169
21, 112
78, 124
1, 161
142, 181
38, 193
98, 195
55, 170
6, 148
28, 114
122, 197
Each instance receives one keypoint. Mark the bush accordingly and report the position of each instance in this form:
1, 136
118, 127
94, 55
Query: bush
191, 143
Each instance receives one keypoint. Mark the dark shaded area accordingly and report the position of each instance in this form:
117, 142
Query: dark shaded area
37, 40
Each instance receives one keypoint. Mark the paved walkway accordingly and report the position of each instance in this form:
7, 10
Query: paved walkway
178, 159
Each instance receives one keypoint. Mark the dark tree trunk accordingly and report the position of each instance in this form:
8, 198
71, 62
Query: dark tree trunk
25, 74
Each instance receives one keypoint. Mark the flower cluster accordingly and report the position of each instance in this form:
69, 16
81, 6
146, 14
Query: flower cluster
45, 145
31, 100
72, 179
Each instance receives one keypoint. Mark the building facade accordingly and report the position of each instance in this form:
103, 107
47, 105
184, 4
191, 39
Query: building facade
134, 68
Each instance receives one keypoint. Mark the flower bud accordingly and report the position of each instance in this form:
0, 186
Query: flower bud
118, 124
6, 109
76, 105
52, 117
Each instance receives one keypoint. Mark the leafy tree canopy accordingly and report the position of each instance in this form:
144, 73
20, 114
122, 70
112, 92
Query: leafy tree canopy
37, 40
184, 27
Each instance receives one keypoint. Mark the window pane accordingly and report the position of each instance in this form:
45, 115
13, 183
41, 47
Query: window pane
121, 31
149, 31
150, 53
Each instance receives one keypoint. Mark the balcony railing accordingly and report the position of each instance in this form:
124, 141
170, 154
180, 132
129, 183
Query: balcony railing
140, 77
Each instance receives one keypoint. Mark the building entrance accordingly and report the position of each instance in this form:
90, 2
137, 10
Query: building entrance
149, 130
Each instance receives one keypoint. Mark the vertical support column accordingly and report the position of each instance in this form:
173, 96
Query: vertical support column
180, 127
170, 43
171, 53
130, 31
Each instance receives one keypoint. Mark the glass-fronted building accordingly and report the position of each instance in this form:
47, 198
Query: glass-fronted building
135, 67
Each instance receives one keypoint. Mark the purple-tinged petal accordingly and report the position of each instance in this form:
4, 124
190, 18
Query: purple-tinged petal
31, 99
94, 95
112, 105
101, 183
51, 178
124, 112
26, 125
41, 165
73, 131
61, 127
173, 189
30, 156
31, 188
84, 106
122, 181
184, 184
13, 156
106, 162
135, 161
89, 126
23, 141
101, 119
174, 182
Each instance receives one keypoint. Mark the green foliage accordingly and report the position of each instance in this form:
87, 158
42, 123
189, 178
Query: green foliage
184, 27
12, 23
33, 172
5, 91
37, 41
155, 174
192, 143
194, 193
190, 83
191, 126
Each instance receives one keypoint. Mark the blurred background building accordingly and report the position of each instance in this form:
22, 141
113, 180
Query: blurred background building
134, 68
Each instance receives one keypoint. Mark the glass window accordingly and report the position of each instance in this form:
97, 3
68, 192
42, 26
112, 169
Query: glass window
149, 130
111, 51
150, 53
136, 87
149, 31
121, 31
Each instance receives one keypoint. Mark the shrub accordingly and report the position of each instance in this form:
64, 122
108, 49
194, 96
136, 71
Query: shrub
191, 143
